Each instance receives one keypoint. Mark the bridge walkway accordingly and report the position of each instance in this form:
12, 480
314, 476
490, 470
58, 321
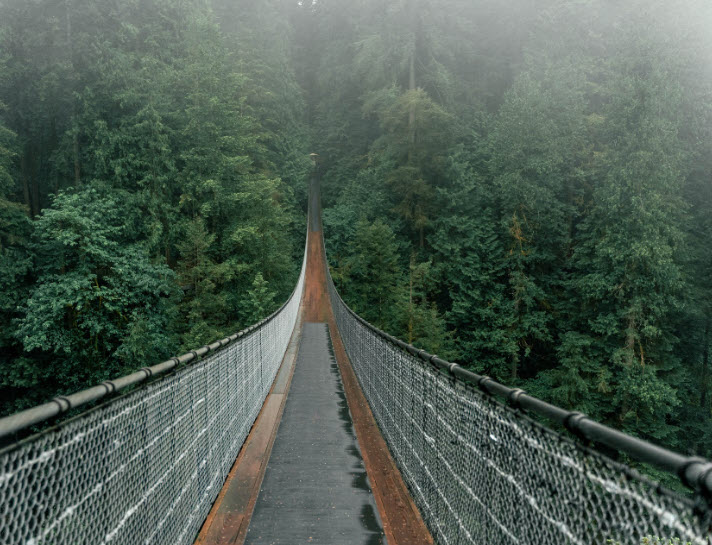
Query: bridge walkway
315, 468
316, 489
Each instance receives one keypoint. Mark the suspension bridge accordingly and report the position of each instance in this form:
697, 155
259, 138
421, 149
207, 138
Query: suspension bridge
313, 426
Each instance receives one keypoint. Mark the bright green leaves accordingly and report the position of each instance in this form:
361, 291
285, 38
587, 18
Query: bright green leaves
203, 281
98, 304
260, 300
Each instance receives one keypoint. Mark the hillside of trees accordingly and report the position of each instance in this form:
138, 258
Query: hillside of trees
526, 187
152, 160
523, 187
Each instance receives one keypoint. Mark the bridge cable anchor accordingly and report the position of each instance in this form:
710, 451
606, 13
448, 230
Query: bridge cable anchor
572, 423
63, 403
513, 398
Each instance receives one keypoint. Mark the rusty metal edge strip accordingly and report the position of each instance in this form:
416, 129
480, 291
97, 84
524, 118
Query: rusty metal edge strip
402, 522
207, 534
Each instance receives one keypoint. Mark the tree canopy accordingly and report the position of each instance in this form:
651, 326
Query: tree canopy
523, 187
540, 175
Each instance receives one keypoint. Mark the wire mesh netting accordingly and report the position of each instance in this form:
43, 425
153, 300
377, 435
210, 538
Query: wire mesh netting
482, 473
146, 467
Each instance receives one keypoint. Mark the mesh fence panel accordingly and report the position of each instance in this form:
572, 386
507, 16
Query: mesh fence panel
147, 467
482, 473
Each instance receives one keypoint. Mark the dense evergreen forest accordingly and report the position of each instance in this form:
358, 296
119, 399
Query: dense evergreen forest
524, 187
153, 153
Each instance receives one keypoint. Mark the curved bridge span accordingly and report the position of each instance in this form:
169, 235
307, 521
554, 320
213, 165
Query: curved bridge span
313, 426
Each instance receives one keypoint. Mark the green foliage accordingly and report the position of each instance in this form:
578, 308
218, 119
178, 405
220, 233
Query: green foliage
260, 300
15, 255
98, 305
416, 319
548, 165
372, 272
147, 145
202, 279
416, 130
523, 188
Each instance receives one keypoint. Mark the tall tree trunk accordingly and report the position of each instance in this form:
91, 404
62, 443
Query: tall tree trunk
75, 128
53, 145
26, 182
35, 190
30, 182
68, 28
77, 169
630, 336
630, 339
411, 79
704, 375
518, 328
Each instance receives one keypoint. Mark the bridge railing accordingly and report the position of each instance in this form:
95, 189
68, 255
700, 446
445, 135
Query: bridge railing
482, 471
145, 467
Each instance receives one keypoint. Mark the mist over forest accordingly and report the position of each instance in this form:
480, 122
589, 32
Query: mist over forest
523, 187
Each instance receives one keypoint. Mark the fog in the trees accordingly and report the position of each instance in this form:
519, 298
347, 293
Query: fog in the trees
524, 187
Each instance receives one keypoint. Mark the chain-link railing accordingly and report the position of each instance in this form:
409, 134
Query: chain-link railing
144, 468
485, 473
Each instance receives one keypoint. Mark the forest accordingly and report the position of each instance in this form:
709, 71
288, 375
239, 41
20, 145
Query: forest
524, 187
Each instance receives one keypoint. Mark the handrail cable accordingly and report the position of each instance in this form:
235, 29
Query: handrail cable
24, 419
694, 472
